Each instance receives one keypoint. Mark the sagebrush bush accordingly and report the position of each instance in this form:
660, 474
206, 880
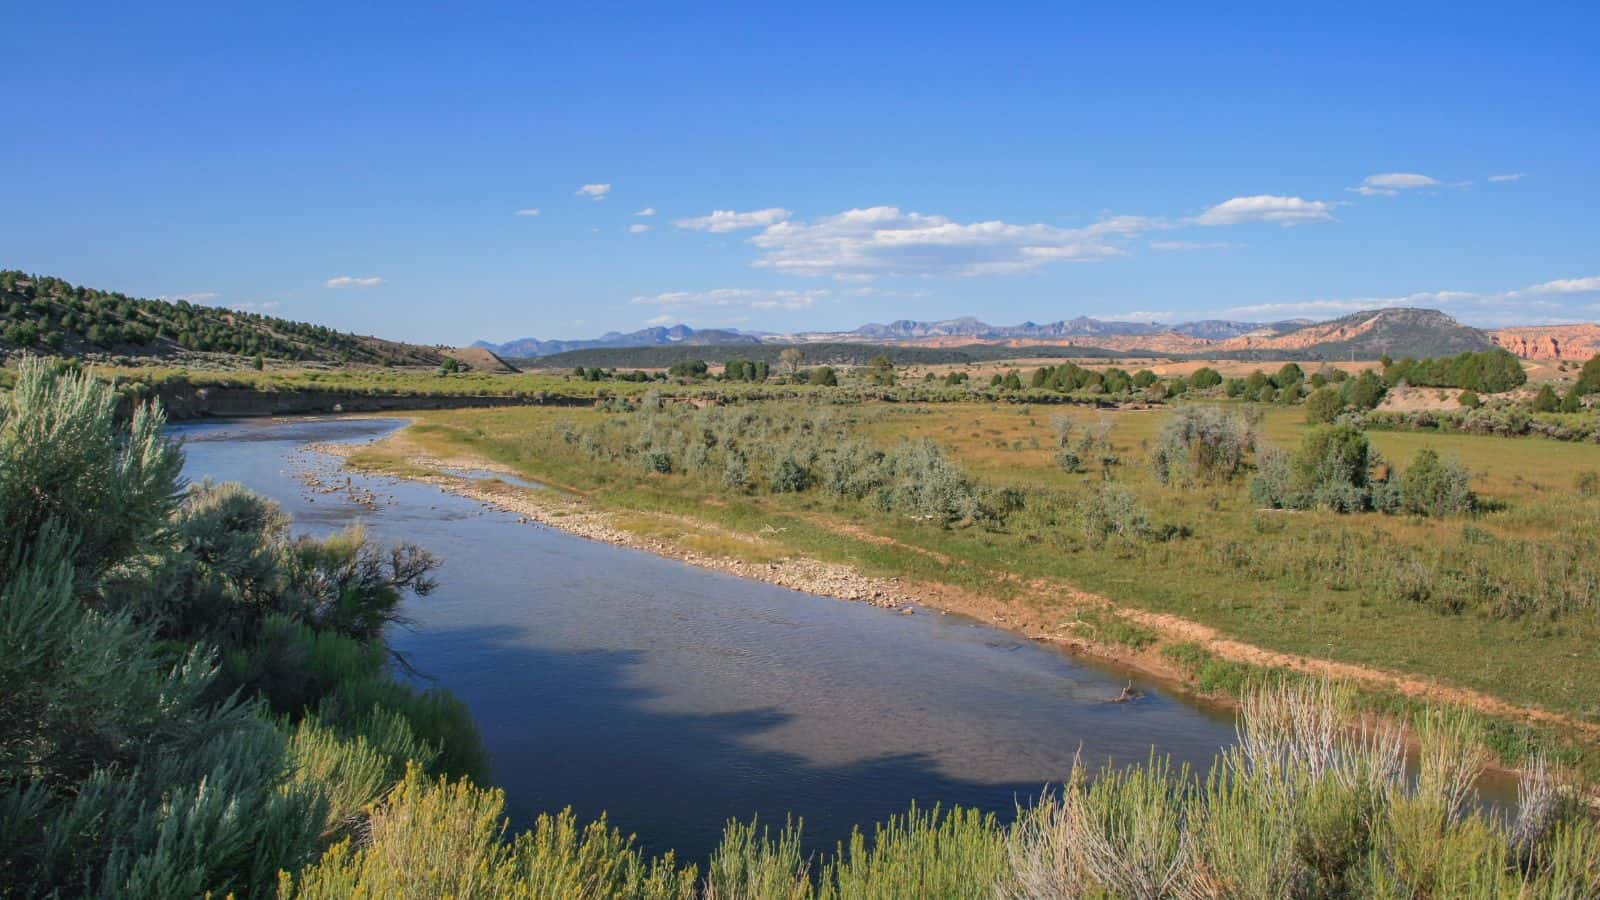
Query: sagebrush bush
744, 447
1431, 486
1201, 444
131, 763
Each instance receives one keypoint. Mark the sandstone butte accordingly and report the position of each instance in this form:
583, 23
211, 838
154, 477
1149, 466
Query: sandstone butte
1576, 342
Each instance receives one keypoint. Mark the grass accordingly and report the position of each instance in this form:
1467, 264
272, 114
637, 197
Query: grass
1304, 583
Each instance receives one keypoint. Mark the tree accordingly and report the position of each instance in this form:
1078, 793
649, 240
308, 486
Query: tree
1365, 391
823, 376
1205, 377
880, 371
1469, 399
1589, 376
1323, 406
1546, 400
790, 358
1572, 402
688, 368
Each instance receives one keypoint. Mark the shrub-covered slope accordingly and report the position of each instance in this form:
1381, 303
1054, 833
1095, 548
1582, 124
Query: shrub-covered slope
45, 314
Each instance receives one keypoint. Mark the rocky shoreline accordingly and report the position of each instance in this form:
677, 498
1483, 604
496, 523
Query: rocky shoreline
560, 511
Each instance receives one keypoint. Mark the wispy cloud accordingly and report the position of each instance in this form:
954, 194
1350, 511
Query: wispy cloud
647, 211
1193, 245
1146, 315
1388, 184
526, 212
638, 228
863, 244
745, 298
663, 319
594, 191
1509, 176
353, 281
1284, 211
724, 220
1588, 285
196, 297
257, 306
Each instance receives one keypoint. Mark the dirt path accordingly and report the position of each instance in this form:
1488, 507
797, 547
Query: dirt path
1046, 611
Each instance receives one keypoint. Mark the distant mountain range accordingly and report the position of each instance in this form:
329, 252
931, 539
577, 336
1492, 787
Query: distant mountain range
893, 332
532, 348
1364, 335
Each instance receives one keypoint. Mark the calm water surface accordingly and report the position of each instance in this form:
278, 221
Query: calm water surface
673, 698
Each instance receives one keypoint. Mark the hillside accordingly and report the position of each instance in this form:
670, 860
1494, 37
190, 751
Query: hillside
1364, 335
49, 315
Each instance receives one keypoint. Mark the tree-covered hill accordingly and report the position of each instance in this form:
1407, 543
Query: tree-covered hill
45, 314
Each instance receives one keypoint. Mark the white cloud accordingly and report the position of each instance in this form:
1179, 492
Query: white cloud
1510, 176
594, 191
638, 228
1588, 285
662, 319
1390, 183
1193, 245
526, 212
262, 306
353, 281
863, 244
1266, 208
724, 220
1143, 315
647, 211
746, 298
196, 297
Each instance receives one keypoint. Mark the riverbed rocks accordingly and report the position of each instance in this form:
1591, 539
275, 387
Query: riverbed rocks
563, 512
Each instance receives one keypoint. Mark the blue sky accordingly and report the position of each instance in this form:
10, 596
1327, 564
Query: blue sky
806, 167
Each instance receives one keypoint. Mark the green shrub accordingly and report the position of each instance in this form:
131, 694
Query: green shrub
1469, 399
1589, 376
1323, 406
1431, 486
1113, 510
1201, 444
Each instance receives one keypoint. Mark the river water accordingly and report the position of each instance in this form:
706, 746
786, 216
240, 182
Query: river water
673, 698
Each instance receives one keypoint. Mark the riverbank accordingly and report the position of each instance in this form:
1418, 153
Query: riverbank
1168, 647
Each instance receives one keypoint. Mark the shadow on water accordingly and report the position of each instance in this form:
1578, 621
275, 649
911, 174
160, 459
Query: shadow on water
674, 778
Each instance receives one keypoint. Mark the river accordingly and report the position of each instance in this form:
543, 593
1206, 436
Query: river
674, 698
